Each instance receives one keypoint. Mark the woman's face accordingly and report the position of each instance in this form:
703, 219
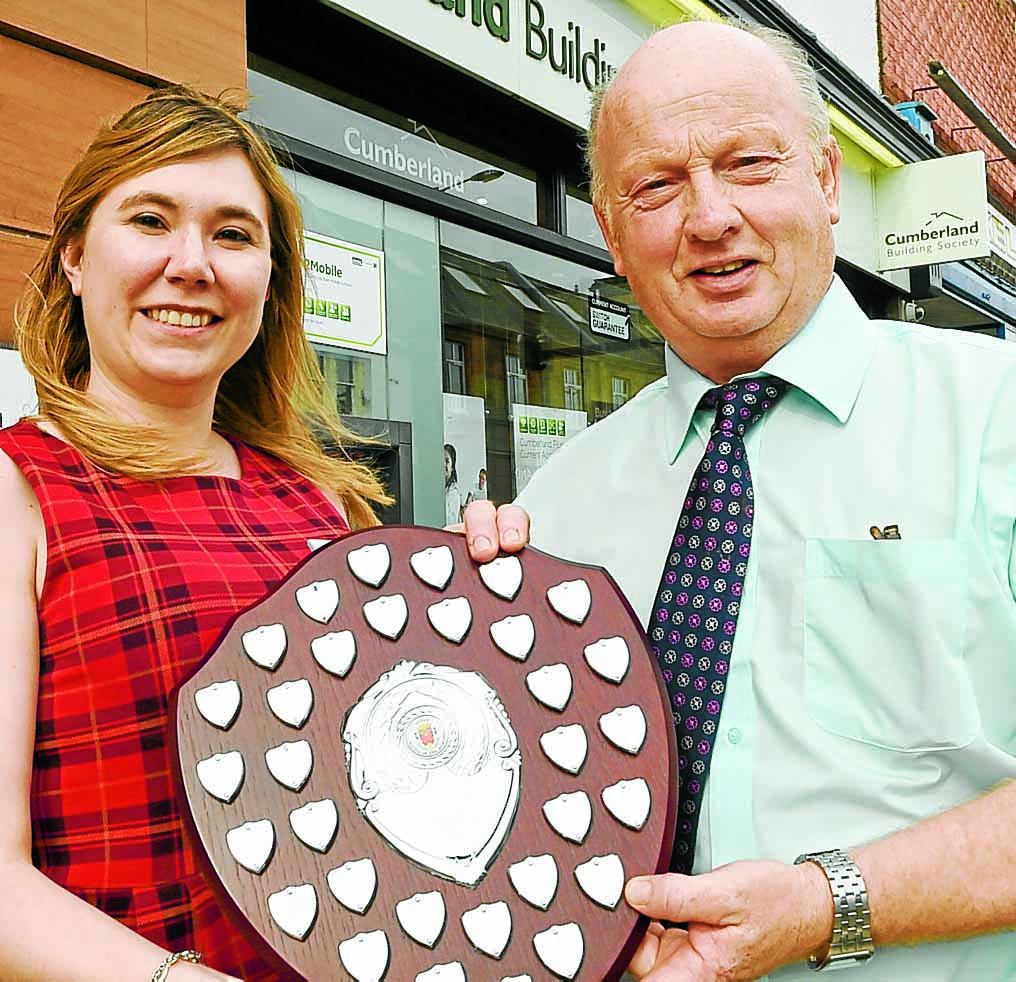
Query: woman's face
447, 466
173, 272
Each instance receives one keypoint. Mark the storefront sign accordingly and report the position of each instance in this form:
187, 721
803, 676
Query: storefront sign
934, 211
551, 53
612, 320
344, 294
537, 432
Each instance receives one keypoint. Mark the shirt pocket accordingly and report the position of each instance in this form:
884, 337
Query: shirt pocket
884, 630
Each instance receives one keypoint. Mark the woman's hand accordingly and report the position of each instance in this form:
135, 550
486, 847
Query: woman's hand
487, 530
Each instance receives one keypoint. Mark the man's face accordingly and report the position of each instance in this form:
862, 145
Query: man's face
715, 207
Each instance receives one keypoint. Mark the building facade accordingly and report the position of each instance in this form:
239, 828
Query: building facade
460, 298
974, 44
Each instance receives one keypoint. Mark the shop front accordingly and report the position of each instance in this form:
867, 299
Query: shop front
461, 301
459, 293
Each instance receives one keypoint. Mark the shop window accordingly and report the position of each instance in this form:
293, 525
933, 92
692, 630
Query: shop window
572, 389
618, 392
454, 367
535, 374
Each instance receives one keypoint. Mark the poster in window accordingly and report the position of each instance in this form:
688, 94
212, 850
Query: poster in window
465, 453
344, 294
537, 432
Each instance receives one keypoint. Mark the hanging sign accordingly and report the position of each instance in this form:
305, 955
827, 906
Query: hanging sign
344, 294
609, 318
934, 211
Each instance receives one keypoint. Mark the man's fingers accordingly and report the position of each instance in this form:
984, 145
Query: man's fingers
673, 897
512, 527
480, 526
644, 959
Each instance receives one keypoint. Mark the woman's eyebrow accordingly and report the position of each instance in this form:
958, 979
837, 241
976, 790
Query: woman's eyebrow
142, 198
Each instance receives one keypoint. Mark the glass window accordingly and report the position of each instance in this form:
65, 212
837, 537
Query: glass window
619, 391
518, 384
572, 389
581, 218
454, 367
534, 372
320, 115
349, 378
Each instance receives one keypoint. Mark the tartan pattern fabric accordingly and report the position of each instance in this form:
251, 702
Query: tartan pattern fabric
699, 597
141, 579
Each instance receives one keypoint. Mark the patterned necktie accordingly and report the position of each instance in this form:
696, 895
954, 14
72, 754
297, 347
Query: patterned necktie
699, 598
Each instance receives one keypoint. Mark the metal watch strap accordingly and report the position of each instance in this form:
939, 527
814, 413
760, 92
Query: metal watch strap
851, 942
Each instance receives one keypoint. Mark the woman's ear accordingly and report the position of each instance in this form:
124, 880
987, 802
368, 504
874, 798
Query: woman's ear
72, 257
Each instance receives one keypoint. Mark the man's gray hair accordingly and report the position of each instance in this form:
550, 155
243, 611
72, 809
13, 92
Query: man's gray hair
789, 52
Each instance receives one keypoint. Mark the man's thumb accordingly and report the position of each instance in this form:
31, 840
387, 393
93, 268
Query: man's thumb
676, 898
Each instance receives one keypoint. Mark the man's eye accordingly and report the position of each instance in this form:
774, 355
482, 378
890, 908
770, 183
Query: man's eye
757, 161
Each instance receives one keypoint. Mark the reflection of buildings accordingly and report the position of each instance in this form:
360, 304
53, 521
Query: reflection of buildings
510, 339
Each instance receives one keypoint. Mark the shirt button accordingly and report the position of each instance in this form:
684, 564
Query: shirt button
734, 735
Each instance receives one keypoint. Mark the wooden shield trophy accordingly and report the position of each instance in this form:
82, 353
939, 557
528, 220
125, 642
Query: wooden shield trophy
405, 765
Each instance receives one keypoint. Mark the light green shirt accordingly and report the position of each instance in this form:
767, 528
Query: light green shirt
872, 683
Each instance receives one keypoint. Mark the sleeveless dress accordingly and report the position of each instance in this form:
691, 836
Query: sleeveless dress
141, 578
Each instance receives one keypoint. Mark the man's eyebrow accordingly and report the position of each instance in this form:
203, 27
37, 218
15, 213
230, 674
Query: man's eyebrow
142, 198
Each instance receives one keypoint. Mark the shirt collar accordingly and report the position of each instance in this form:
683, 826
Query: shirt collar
827, 359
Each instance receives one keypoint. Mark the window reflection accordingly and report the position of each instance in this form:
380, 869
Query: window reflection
519, 354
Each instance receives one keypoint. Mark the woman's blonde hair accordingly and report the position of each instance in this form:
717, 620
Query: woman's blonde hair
273, 398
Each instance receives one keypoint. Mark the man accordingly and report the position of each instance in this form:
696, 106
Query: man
863, 627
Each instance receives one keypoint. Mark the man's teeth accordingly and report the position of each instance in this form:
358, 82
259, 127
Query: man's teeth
178, 319
727, 268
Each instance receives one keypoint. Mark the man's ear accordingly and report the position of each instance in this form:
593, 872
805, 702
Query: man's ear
829, 177
603, 220
72, 257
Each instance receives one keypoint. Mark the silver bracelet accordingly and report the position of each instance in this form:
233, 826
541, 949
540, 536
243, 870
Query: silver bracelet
162, 972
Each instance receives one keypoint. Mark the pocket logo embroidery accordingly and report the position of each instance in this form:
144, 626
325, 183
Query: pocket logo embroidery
889, 532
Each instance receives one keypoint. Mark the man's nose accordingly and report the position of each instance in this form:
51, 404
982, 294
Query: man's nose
711, 212
189, 259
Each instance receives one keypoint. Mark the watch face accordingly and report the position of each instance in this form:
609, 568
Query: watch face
403, 765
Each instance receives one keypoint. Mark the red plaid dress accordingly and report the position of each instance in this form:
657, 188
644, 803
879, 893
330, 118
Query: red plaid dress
141, 579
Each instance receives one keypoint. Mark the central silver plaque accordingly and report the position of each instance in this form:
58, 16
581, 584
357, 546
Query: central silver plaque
435, 767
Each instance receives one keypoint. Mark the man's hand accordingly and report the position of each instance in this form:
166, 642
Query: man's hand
488, 530
744, 920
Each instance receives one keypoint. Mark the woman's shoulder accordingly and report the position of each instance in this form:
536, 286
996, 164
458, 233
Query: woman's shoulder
22, 528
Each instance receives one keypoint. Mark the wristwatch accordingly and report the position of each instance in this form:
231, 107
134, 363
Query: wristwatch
851, 942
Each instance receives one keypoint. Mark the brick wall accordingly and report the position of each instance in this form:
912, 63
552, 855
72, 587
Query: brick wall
65, 67
976, 41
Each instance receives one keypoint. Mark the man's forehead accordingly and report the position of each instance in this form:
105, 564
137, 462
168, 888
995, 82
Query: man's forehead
699, 60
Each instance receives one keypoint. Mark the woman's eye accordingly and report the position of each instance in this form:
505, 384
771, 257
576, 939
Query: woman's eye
234, 235
148, 220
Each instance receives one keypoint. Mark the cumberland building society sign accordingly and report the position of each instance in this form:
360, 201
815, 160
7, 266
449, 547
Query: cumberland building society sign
935, 211
551, 53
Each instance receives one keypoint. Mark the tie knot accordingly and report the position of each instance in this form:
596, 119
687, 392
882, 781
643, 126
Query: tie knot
742, 403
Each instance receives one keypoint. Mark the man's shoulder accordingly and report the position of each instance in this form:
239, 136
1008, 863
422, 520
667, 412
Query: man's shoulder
948, 353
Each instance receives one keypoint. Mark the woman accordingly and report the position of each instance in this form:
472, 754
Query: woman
453, 497
171, 478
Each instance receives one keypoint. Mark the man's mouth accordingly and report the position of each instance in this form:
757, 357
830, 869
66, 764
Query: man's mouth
180, 318
732, 267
